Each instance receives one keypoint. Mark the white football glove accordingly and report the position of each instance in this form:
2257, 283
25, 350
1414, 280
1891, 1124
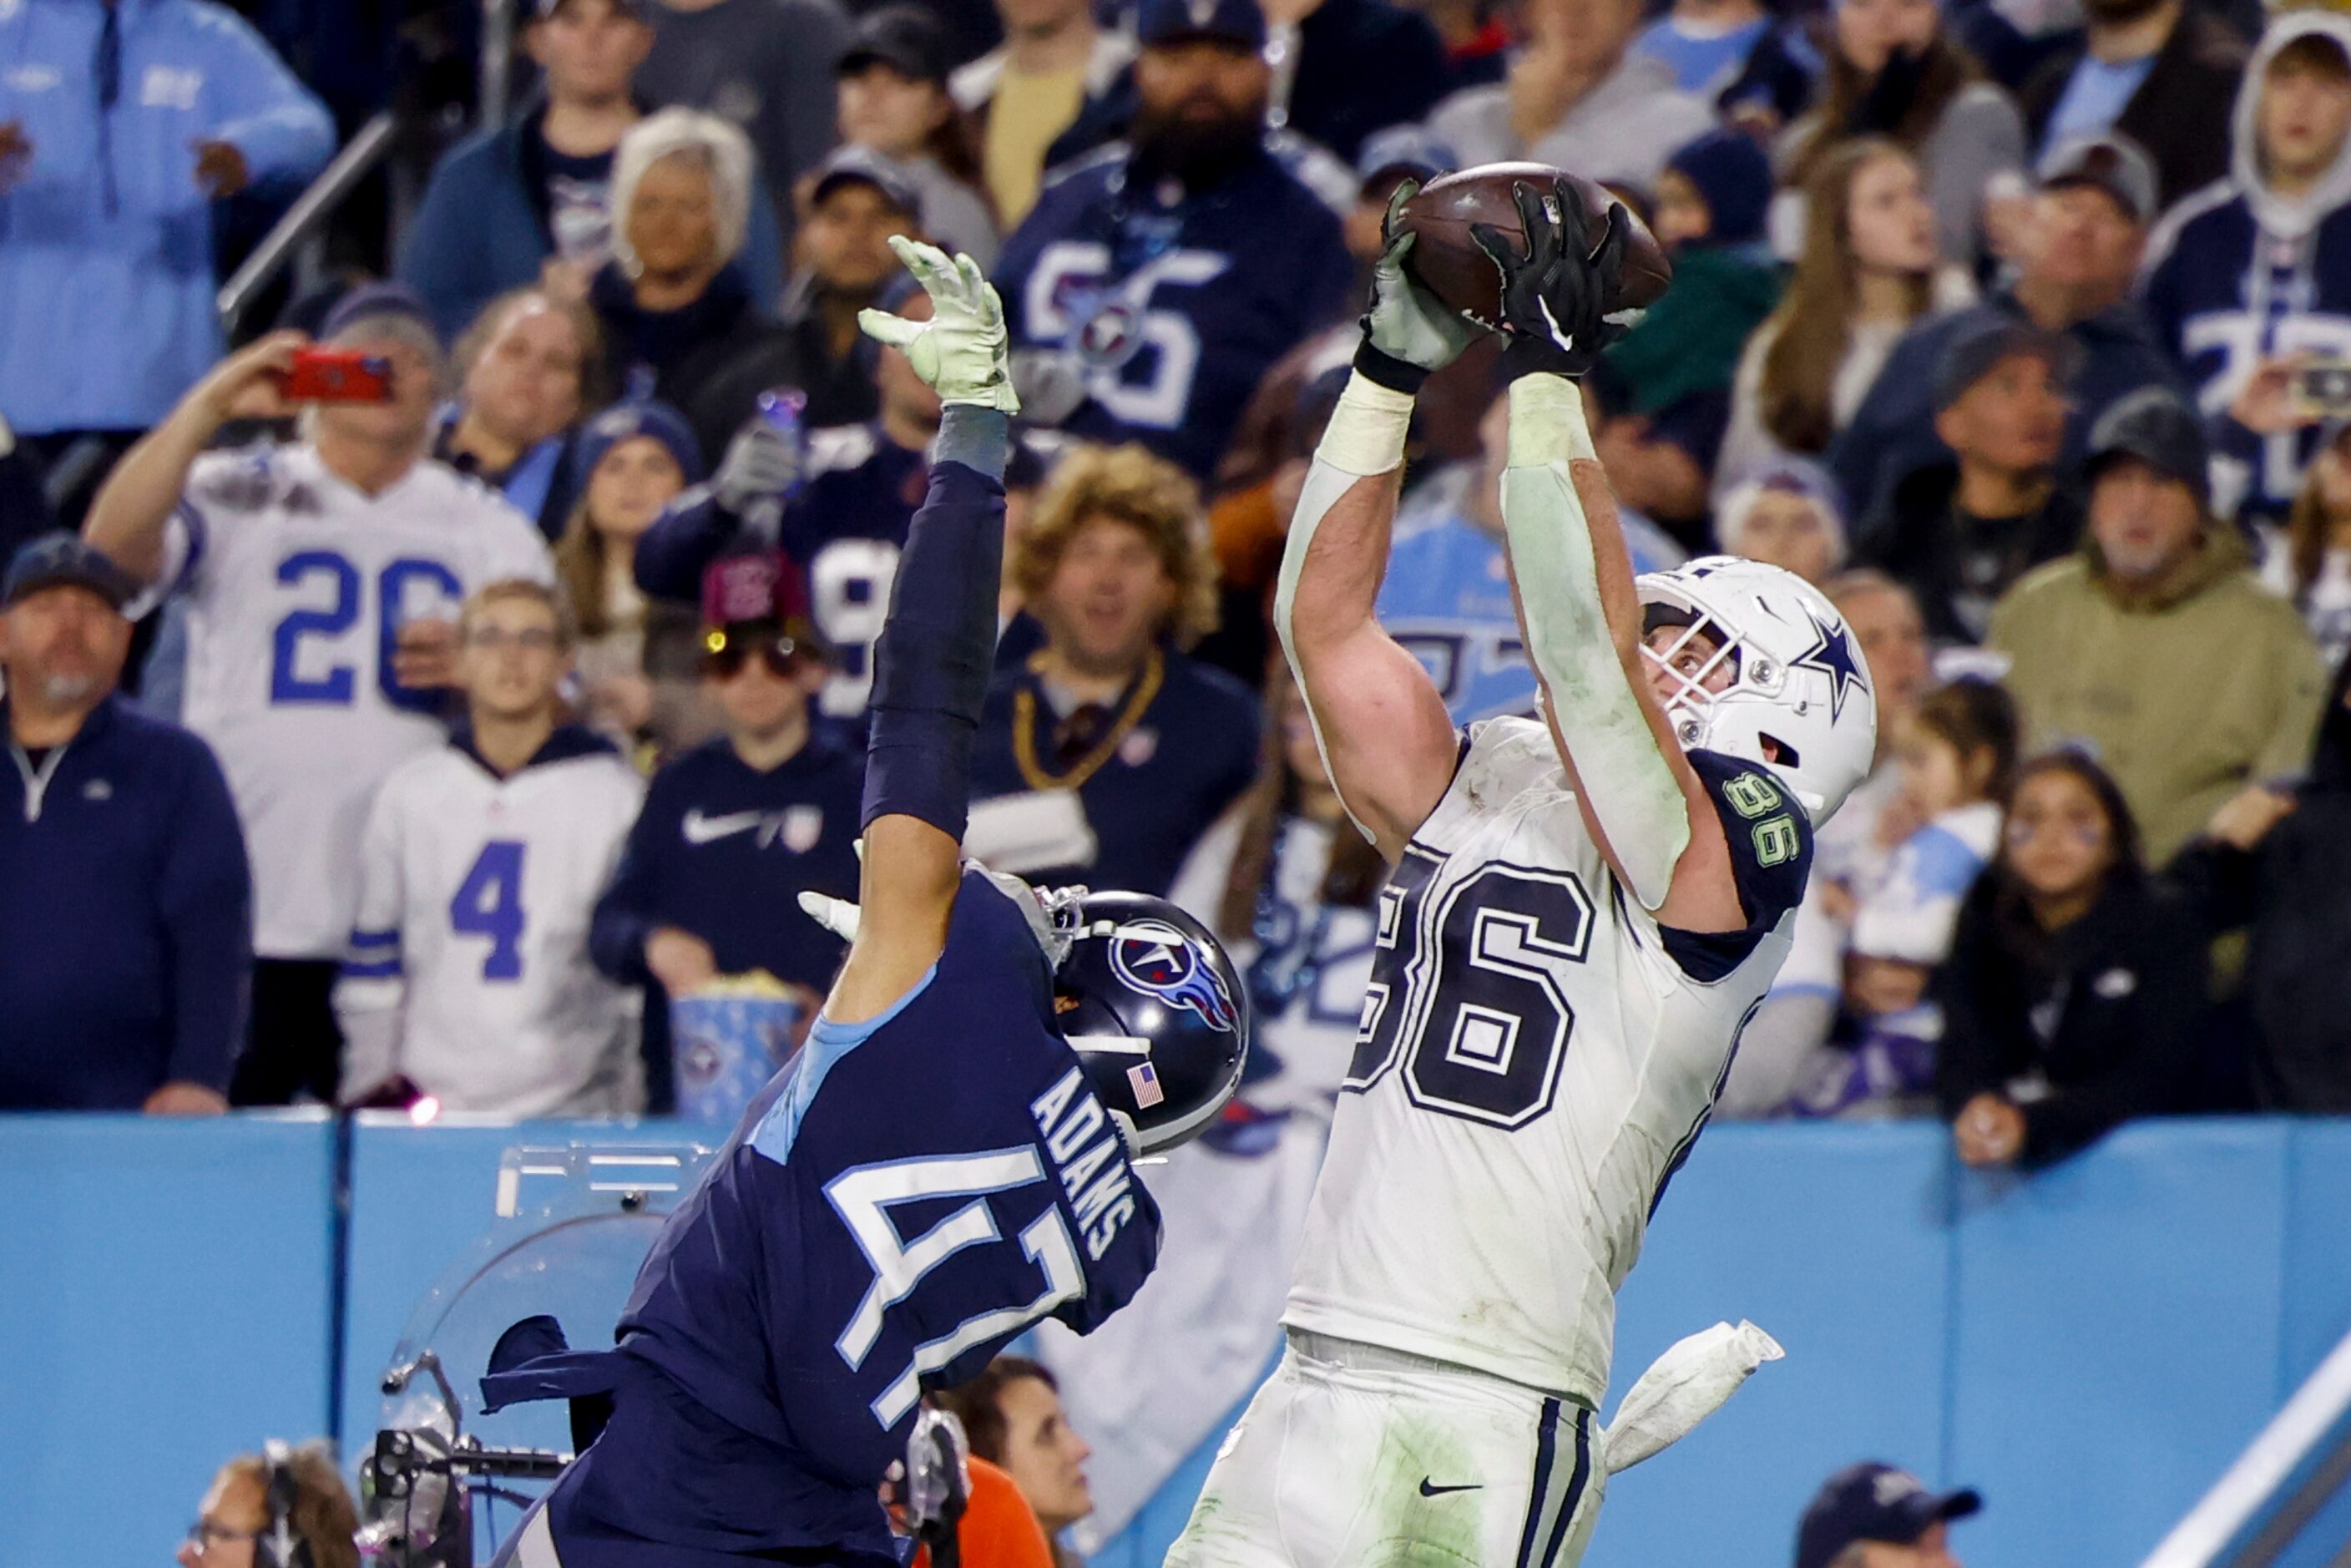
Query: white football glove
962, 351
1407, 321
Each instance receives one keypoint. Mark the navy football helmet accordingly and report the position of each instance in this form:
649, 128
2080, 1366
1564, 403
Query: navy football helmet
1157, 1013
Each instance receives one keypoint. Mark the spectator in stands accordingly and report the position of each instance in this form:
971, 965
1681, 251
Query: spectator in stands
2161, 72
2155, 643
2252, 277
322, 578
1704, 43
528, 201
2278, 860
1055, 65
1675, 367
1150, 289
2074, 994
2081, 248
1447, 595
1959, 534
2310, 563
1109, 753
1868, 271
238, 1511
998, 1529
1895, 72
671, 299
469, 978
1786, 516
734, 830
858, 202
1874, 1516
1343, 69
894, 103
844, 506
631, 461
1958, 754
126, 909
120, 127
24, 506
765, 66
1577, 96
529, 369
1012, 1414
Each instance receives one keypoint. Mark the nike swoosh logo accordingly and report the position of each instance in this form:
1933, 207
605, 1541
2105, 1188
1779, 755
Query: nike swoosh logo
1427, 1491
702, 830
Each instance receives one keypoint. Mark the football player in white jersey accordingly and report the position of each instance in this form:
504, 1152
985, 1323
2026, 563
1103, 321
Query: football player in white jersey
322, 578
1584, 911
469, 978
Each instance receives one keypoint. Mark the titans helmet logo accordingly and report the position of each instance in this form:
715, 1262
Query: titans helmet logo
1153, 959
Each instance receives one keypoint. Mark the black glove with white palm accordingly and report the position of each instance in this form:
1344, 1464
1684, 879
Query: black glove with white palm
1554, 296
1408, 332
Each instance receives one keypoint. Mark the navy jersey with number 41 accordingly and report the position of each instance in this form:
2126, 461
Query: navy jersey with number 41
914, 1192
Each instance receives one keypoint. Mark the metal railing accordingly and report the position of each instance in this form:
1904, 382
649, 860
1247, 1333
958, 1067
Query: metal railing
296, 239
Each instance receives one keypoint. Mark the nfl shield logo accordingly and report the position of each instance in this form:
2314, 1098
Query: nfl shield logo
803, 825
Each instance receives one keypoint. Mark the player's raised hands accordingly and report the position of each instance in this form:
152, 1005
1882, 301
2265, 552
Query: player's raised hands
963, 350
1405, 323
1554, 296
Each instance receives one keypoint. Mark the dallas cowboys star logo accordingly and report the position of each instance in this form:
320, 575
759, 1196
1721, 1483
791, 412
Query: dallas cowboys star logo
1834, 656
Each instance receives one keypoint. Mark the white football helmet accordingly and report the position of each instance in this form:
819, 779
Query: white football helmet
1798, 677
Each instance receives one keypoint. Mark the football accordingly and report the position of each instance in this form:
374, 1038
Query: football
1449, 263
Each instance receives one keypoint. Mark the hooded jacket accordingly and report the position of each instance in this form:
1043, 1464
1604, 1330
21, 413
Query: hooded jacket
2239, 273
106, 240
2186, 691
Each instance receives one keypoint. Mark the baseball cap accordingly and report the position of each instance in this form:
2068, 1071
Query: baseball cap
63, 560
625, 421
1982, 342
1874, 1502
2111, 164
759, 588
371, 300
907, 38
862, 164
1402, 149
2155, 425
1170, 21
546, 8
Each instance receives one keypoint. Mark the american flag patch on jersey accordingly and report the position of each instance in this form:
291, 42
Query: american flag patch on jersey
1144, 1079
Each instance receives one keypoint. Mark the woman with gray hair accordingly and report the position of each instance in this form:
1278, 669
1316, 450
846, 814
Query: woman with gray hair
672, 300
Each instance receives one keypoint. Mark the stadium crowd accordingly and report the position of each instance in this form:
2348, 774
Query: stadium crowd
469, 743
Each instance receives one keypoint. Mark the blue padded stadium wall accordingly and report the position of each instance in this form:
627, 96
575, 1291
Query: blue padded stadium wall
2091, 1346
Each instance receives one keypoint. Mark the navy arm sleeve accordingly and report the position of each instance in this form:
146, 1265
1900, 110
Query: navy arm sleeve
1770, 840
204, 901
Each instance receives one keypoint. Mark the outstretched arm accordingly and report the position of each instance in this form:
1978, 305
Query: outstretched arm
1572, 578
1386, 736
937, 645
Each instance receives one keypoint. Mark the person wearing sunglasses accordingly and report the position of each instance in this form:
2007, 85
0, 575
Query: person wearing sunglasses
737, 827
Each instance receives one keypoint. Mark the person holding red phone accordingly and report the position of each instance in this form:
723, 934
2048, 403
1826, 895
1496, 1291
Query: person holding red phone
322, 578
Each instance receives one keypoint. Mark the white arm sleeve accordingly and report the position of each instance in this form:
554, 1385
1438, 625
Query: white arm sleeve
1365, 436
1626, 781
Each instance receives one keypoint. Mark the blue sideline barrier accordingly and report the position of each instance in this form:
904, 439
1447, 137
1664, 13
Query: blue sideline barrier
2091, 1346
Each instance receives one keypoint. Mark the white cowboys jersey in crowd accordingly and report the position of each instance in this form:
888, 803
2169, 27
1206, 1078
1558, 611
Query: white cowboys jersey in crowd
469, 970
297, 583
1534, 1063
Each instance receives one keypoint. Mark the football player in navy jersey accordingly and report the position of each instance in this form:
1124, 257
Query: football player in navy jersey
1155, 282
947, 1161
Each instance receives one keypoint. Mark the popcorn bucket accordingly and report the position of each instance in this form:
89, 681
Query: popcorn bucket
726, 1040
